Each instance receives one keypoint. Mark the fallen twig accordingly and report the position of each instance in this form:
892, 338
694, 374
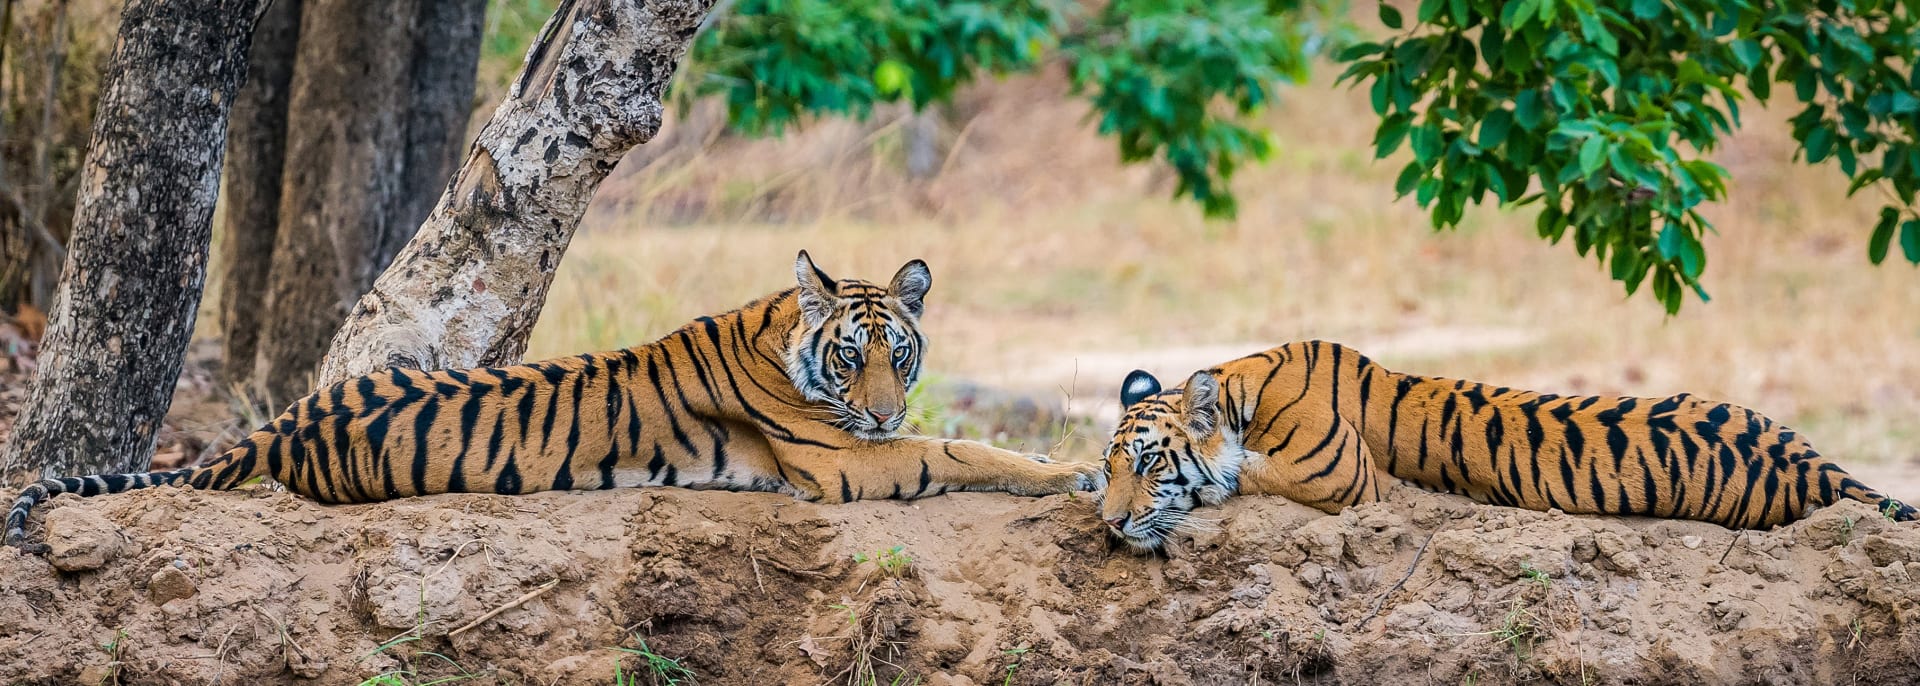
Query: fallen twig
1382, 599
516, 602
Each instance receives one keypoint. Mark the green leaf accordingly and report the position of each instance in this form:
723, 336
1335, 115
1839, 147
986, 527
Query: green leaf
1429, 10
1493, 129
1391, 133
1748, 52
1526, 109
1910, 240
1410, 177
1379, 94
1819, 144
1864, 179
1515, 14
1646, 9
1882, 235
1427, 143
1693, 260
1806, 83
1359, 50
1390, 16
1593, 155
1425, 192
1672, 241
1459, 11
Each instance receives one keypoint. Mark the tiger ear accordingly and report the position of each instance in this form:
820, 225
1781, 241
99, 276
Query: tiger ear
1200, 406
1137, 387
911, 284
816, 290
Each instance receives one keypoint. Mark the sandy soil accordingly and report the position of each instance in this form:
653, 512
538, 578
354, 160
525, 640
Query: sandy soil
257, 586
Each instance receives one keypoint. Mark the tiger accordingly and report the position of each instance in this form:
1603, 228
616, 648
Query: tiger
803, 392
1324, 426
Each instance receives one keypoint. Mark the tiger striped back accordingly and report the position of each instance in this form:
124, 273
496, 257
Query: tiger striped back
1325, 426
800, 392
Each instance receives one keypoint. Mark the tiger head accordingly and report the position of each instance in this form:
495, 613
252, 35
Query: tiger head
858, 347
1170, 454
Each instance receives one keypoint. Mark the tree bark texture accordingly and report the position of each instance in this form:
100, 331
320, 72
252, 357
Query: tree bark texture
256, 151
379, 101
124, 308
466, 291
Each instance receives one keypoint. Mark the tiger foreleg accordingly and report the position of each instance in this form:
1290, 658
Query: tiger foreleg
914, 467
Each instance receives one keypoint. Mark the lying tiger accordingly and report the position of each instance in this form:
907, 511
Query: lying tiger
800, 392
1324, 426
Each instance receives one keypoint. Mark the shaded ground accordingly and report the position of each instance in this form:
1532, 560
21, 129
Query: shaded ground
257, 586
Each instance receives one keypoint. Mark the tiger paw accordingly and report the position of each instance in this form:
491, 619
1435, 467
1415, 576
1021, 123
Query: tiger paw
1088, 476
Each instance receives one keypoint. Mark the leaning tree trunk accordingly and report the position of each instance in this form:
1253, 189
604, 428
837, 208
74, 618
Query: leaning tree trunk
256, 151
467, 289
124, 308
378, 110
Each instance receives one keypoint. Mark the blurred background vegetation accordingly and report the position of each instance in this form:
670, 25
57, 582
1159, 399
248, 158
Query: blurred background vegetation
993, 139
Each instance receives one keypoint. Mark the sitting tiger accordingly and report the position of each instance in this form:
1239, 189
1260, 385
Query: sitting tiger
800, 392
1324, 426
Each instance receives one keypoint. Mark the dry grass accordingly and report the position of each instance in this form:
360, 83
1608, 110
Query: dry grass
1051, 262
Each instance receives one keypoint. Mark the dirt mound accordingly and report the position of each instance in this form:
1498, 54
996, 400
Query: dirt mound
257, 586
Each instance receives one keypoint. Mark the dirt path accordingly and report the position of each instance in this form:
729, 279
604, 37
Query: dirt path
265, 587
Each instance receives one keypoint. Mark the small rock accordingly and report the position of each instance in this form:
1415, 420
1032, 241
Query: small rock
99, 674
1311, 574
168, 584
79, 540
1690, 541
1886, 550
1627, 561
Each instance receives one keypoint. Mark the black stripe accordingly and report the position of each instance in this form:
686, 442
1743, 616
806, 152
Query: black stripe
422, 429
508, 483
469, 418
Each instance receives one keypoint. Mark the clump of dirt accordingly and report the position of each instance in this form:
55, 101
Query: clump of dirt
259, 586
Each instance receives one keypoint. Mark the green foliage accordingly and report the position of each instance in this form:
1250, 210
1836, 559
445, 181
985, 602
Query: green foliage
654, 669
893, 562
1171, 79
776, 61
1161, 72
1600, 112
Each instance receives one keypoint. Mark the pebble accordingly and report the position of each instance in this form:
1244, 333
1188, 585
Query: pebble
79, 540
169, 584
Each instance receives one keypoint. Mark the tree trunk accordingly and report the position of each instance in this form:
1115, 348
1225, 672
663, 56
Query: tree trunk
465, 292
123, 311
378, 106
256, 151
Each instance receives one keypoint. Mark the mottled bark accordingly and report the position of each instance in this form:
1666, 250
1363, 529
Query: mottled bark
380, 96
124, 308
256, 151
467, 289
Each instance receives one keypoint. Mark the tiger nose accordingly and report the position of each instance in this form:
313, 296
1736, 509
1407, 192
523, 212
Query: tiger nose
880, 417
1117, 523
